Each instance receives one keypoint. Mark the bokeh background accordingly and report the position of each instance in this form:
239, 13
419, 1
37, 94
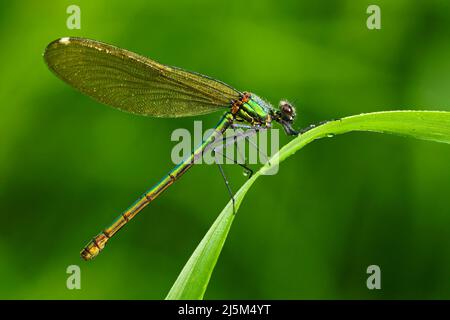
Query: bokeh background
69, 165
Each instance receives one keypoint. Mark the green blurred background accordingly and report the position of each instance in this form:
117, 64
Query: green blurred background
69, 165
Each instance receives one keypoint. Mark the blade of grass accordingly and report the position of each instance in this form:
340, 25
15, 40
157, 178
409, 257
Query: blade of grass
192, 281
427, 125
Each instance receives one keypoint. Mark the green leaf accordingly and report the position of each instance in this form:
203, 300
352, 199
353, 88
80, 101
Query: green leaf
427, 125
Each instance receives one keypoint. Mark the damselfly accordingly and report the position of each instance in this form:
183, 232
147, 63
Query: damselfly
139, 85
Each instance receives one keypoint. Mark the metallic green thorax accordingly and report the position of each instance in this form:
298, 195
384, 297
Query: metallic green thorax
255, 111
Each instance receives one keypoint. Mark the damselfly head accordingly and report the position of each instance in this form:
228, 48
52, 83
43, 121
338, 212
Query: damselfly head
287, 111
285, 115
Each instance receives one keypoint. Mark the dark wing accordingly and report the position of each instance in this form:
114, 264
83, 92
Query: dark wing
132, 83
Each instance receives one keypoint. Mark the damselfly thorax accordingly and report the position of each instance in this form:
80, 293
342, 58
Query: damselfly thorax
252, 109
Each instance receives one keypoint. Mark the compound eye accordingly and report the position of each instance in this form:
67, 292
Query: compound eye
286, 109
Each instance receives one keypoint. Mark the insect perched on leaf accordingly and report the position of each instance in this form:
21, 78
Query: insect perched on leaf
139, 85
